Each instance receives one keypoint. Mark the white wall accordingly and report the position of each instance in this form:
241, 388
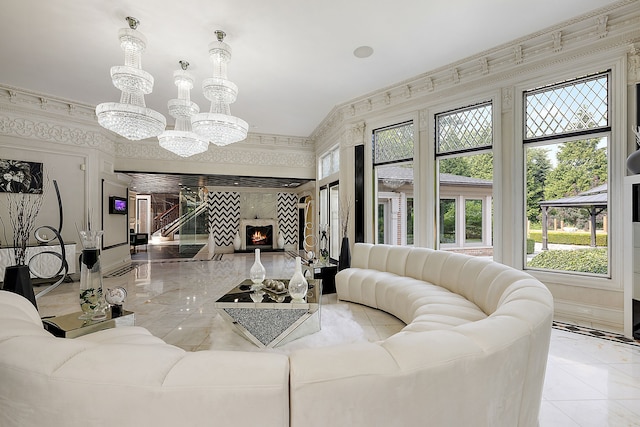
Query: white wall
74, 151
63, 166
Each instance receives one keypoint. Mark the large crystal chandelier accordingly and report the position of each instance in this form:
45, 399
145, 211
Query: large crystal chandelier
130, 117
182, 140
218, 125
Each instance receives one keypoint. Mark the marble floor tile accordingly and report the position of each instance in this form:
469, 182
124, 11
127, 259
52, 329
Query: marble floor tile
589, 381
551, 416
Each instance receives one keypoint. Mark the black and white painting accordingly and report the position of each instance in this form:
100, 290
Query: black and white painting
18, 176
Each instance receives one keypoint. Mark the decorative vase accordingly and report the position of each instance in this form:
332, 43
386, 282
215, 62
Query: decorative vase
298, 285
92, 300
257, 272
115, 298
344, 260
633, 162
280, 241
324, 242
237, 242
17, 279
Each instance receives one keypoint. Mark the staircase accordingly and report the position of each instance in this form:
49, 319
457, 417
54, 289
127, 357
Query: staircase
169, 222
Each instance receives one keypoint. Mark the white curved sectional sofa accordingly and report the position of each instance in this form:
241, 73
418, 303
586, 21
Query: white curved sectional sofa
473, 353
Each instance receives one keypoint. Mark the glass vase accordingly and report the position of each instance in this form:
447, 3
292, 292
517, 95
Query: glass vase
257, 272
92, 300
324, 243
298, 285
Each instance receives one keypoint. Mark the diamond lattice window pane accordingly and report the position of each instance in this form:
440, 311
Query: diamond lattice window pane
465, 129
393, 144
335, 160
330, 163
326, 166
567, 108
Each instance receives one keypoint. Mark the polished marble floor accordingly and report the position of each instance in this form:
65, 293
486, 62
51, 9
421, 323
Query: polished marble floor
589, 382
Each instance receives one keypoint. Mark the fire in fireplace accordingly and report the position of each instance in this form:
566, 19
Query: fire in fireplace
259, 236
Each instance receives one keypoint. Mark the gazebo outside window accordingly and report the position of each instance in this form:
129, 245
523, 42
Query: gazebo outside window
595, 200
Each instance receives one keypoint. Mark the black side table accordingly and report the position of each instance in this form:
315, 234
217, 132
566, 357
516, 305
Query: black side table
326, 273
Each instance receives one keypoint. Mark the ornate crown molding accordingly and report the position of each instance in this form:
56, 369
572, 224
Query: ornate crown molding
29, 102
234, 154
53, 132
633, 63
270, 140
33, 115
613, 26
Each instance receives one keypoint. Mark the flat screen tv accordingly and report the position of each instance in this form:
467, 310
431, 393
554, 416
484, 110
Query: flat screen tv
117, 205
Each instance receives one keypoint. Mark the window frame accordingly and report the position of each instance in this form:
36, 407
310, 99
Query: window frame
561, 138
386, 201
488, 230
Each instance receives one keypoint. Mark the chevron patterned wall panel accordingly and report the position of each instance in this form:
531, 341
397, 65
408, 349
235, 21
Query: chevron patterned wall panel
224, 216
288, 217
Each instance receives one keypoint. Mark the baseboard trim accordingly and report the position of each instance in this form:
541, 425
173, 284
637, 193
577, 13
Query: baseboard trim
605, 318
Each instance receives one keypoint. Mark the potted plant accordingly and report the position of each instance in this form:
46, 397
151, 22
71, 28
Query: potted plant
23, 209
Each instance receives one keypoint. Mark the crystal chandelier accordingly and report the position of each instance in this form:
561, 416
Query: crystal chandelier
218, 125
182, 140
130, 117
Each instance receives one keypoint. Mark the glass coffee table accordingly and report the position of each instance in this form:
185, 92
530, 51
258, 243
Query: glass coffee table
70, 326
269, 318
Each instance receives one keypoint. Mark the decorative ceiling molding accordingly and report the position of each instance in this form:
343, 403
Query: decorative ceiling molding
268, 140
613, 26
31, 113
236, 155
633, 63
53, 132
24, 100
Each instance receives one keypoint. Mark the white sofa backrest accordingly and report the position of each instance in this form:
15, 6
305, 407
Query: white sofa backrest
397, 259
479, 280
417, 259
378, 257
360, 256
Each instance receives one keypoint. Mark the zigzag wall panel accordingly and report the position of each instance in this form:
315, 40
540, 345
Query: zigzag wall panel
288, 217
224, 216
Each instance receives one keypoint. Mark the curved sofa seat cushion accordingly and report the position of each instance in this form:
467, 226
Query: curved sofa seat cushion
127, 377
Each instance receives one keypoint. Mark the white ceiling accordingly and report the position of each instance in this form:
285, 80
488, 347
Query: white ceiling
292, 59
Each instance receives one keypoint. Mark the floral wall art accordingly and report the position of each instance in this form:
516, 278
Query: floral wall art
17, 176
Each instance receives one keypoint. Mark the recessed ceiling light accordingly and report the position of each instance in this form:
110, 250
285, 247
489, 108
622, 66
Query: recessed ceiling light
363, 52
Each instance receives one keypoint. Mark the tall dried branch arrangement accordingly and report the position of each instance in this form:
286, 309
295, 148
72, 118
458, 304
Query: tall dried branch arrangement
23, 210
345, 211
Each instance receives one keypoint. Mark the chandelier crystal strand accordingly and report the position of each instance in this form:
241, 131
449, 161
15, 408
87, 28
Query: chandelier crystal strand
130, 117
182, 140
218, 125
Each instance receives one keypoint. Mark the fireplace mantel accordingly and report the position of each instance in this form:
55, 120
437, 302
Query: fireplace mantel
257, 222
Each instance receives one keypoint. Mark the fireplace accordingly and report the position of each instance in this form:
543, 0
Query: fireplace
259, 236
267, 227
